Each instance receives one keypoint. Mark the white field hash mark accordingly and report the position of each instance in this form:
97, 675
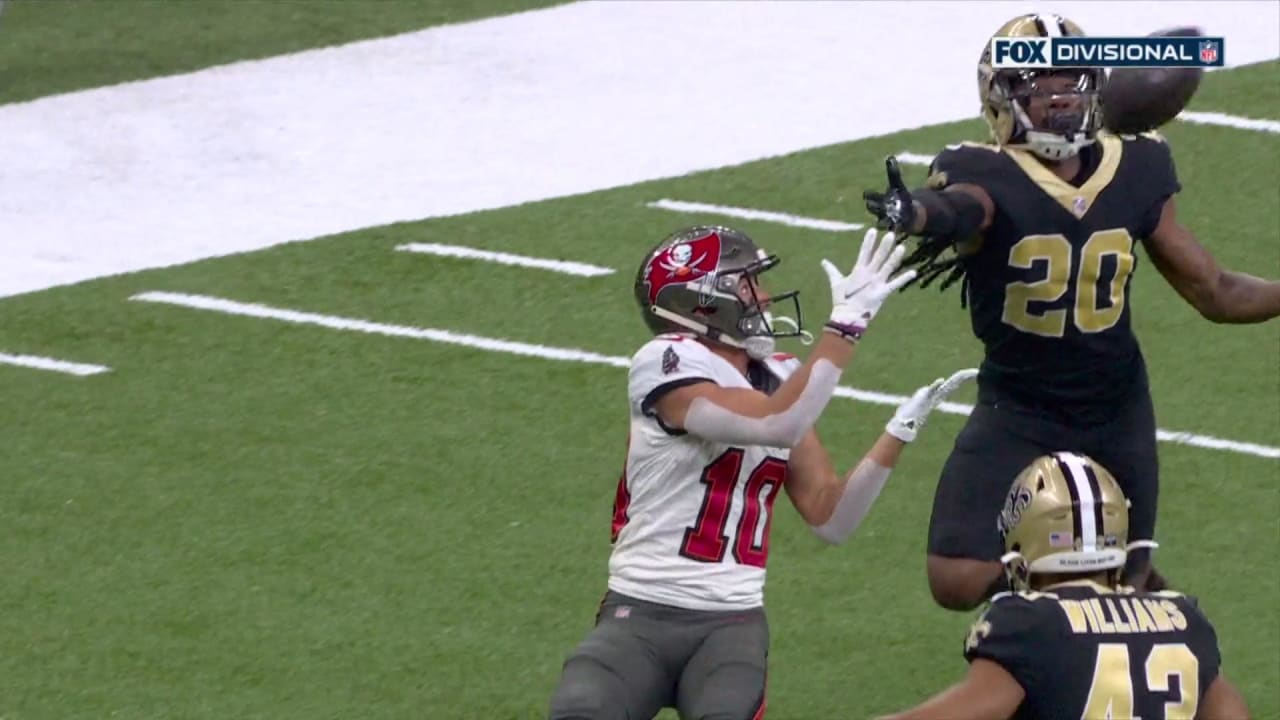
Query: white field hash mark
561, 266
233, 307
753, 214
52, 364
1232, 121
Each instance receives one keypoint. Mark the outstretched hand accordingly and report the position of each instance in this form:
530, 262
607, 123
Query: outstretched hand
894, 207
912, 414
856, 297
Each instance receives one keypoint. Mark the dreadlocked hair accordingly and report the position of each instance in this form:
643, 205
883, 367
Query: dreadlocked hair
930, 264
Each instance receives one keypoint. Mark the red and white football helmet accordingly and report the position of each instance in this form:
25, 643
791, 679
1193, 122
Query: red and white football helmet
693, 281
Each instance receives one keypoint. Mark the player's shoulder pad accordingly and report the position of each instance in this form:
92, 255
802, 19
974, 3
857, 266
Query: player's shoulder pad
964, 162
1024, 598
782, 365
1151, 137
1195, 616
1012, 615
658, 343
1191, 602
1151, 141
666, 359
1019, 632
1150, 149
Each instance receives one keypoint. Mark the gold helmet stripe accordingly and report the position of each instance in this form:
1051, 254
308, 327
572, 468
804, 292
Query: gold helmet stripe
1086, 497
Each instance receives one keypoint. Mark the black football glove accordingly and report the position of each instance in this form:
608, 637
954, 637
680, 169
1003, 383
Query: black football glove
893, 207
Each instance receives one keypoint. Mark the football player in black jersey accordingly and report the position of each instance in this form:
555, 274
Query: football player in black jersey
1069, 641
1041, 226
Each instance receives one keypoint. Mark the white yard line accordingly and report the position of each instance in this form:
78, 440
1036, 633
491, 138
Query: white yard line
52, 364
233, 307
1231, 121
1213, 443
457, 251
754, 214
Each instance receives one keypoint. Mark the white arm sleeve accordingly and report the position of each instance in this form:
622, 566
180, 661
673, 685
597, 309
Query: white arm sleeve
781, 430
860, 492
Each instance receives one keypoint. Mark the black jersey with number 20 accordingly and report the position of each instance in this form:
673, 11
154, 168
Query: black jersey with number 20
1048, 282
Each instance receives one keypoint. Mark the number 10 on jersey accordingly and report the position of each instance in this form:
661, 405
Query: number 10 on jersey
706, 540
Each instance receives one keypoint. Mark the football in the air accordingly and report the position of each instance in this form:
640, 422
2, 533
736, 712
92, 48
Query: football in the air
1135, 100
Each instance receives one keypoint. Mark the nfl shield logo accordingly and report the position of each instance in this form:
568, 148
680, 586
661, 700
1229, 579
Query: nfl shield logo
1208, 51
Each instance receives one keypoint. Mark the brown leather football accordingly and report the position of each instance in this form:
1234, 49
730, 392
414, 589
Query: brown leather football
1135, 100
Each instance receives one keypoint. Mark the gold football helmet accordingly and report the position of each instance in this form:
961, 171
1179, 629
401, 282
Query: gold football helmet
1064, 514
1006, 94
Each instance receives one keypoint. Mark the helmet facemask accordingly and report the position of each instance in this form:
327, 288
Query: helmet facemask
756, 327
757, 319
1063, 131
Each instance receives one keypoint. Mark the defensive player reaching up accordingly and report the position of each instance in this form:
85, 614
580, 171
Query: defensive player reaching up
1041, 228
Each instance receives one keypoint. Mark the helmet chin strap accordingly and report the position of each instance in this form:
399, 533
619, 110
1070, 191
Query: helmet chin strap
1050, 144
758, 347
1015, 564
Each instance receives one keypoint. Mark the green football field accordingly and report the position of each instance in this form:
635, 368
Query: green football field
254, 518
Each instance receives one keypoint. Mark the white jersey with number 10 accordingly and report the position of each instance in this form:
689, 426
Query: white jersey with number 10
691, 519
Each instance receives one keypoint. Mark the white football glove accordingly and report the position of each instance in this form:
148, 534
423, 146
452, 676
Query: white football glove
912, 414
856, 297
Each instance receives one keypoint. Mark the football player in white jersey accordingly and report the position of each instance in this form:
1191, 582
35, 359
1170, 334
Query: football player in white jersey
720, 425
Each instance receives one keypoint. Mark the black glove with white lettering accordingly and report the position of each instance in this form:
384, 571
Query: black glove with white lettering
894, 207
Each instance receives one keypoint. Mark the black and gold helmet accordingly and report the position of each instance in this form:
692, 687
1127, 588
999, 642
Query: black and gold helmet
690, 281
1005, 94
1065, 514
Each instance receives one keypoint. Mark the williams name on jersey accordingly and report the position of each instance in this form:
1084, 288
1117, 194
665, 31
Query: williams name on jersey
1085, 651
